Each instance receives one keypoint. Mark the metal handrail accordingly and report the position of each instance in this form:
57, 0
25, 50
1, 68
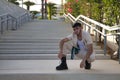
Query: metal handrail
15, 19
105, 28
18, 20
93, 21
72, 18
3, 15
6, 19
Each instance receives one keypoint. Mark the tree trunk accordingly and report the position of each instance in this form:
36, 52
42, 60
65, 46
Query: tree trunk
28, 8
49, 12
42, 8
100, 19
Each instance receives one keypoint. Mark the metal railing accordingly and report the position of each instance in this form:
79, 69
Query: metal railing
94, 25
25, 17
7, 21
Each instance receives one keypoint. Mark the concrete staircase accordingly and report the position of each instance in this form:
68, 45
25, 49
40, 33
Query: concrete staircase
30, 53
36, 40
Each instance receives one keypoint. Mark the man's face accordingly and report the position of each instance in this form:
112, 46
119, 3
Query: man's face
77, 30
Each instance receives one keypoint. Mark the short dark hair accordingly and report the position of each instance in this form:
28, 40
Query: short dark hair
77, 24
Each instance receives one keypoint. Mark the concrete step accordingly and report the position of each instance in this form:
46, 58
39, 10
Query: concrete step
32, 46
45, 70
44, 57
36, 51
27, 51
29, 40
29, 44
23, 47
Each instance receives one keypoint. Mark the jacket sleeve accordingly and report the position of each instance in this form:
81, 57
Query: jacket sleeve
88, 38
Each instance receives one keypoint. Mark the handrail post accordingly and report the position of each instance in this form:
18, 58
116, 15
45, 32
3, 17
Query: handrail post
119, 48
16, 24
12, 24
88, 29
118, 42
85, 27
2, 25
2, 28
19, 20
7, 21
96, 35
105, 42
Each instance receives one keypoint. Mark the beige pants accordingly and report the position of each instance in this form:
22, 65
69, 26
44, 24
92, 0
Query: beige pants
67, 49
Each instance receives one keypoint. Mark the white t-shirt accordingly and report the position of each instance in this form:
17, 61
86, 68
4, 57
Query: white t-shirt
81, 45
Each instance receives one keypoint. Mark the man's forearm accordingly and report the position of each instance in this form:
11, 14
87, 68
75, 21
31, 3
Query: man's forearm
62, 43
88, 55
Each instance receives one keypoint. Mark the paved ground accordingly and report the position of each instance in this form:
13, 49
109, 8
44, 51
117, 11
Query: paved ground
45, 70
48, 67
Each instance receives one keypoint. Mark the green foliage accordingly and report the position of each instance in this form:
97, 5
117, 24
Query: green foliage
104, 11
73, 7
112, 11
14, 2
28, 4
34, 13
61, 13
51, 9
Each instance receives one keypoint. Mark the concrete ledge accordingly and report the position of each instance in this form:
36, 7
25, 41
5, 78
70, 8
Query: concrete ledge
44, 57
45, 70
48, 67
60, 77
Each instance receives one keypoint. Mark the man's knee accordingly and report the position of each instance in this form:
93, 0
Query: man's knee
67, 47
